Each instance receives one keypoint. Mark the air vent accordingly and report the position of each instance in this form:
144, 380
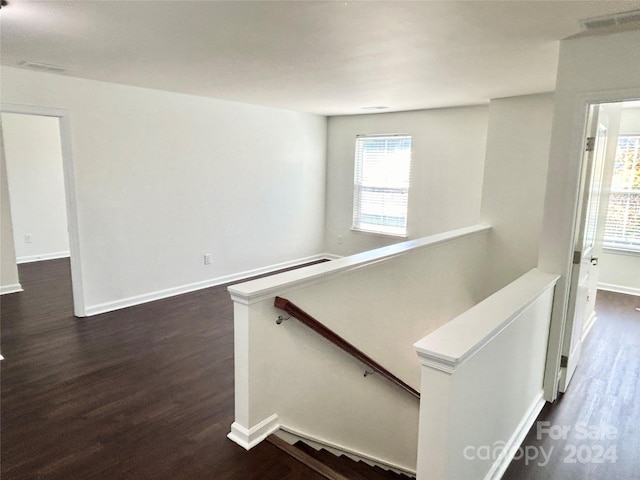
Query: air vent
42, 67
611, 20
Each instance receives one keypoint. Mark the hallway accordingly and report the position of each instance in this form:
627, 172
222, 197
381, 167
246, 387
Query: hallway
592, 432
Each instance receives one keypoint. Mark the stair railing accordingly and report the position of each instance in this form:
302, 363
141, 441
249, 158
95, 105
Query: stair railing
308, 320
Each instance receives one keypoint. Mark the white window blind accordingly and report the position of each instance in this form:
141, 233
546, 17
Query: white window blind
381, 184
622, 228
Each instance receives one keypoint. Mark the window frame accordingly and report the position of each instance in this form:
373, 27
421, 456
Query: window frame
382, 230
621, 247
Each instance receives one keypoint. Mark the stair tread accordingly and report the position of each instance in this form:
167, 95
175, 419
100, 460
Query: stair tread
349, 468
307, 459
354, 470
342, 465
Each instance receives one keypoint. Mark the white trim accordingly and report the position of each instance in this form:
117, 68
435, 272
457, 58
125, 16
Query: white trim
611, 287
374, 233
588, 325
70, 194
13, 288
192, 287
451, 345
501, 463
42, 257
337, 449
446, 365
556, 255
264, 288
621, 251
248, 438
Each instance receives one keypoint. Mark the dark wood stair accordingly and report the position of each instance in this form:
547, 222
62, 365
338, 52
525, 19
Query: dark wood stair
334, 467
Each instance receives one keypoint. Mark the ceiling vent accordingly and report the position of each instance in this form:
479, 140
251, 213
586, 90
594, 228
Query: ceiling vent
611, 20
42, 67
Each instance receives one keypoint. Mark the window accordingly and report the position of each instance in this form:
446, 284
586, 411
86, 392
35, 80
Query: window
381, 184
622, 229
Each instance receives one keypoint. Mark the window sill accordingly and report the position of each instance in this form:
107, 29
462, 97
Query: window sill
621, 251
380, 234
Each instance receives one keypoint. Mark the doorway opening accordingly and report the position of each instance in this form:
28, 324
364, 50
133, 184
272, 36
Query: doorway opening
33, 156
607, 240
42, 189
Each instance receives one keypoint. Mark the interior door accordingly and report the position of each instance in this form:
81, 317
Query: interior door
586, 249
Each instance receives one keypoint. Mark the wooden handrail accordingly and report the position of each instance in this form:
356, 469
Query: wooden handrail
302, 316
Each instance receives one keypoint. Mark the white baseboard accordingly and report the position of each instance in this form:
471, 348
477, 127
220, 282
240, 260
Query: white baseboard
511, 447
619, 289
589, 325
42, 257
291, 436
192, 287
248, 438
14, 288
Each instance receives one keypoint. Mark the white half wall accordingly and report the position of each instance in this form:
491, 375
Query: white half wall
446, 172
398, 293
515, 177
482, 376
163, 178
36, 186
9, 281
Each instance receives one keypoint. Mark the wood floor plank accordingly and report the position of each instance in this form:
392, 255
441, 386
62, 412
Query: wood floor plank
147, 392
600, 412
141, 393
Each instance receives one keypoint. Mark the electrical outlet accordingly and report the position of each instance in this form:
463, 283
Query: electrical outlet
207, 259
28, 238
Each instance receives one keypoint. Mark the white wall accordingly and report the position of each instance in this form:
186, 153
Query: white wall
590, 67
620, 271
515, 177
630, 121
9, 281
477, 407
36, 186
448, 148
398, 293
162, 178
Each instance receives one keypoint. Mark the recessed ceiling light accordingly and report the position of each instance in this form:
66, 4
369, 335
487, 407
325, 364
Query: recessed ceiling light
377, 107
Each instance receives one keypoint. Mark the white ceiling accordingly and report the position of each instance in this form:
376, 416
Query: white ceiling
328, 58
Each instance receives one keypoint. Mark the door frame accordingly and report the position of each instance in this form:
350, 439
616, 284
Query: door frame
591, 174
561, 299
70, 194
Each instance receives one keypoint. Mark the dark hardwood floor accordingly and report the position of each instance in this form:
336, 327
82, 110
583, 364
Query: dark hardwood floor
592, 432
147, 393
142, 393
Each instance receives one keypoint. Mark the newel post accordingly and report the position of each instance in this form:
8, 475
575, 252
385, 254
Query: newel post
437, 420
